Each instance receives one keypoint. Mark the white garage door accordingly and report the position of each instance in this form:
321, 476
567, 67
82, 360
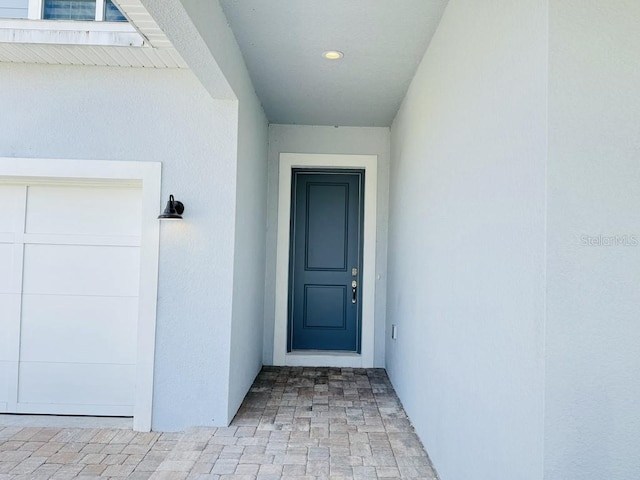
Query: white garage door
69, 274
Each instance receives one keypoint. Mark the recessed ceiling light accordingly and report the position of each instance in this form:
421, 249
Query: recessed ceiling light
333, 55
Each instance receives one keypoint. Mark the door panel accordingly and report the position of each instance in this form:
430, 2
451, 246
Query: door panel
324, 311
9, 310
57, 387
6, 272
325, 306
83, 210
53, 324
101, 270
326, 213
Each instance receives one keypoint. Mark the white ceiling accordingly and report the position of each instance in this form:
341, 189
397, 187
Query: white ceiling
283, 40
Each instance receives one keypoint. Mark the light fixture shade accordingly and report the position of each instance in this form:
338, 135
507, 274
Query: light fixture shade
173, 210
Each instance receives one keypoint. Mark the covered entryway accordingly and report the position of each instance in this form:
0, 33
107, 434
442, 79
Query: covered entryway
328, 223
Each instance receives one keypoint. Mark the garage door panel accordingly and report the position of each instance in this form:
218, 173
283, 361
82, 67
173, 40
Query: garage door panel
81, 270
76, 384
7, 283
5, 380
9, 318
83, 210
4, 383
72, 329
12, 201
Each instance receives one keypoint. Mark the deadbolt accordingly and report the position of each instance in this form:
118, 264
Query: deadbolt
354, 272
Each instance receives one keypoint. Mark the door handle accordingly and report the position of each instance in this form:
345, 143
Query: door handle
354, 291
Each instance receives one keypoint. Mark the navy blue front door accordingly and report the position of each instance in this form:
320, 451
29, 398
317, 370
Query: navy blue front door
325, 263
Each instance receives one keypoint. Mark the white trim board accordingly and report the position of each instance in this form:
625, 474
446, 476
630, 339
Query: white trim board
149, 175
289, 161
69, 32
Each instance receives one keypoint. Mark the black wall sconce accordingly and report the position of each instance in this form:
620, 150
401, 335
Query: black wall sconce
173, 210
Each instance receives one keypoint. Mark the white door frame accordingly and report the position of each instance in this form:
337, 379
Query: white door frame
148, 176
289, 161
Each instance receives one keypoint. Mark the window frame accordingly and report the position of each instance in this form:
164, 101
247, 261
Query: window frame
36, 11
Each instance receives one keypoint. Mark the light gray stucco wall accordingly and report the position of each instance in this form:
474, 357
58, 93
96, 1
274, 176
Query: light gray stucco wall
467, 242
200, 32
340, 140
249, 264
164, 116
593, 327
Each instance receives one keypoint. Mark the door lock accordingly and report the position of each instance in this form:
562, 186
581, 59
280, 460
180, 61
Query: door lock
354, 291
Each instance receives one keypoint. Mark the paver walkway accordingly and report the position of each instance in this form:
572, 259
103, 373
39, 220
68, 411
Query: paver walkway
307, 423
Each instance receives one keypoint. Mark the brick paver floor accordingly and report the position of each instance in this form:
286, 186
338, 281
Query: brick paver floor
306, 423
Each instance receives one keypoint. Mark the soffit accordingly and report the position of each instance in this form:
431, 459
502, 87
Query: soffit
383, 42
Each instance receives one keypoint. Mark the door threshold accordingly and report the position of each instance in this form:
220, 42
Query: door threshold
323, 358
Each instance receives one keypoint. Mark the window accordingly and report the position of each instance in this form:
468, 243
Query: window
98, 10
112, 13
